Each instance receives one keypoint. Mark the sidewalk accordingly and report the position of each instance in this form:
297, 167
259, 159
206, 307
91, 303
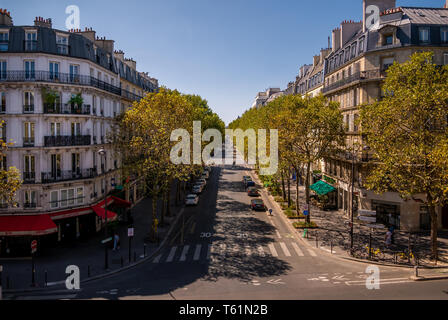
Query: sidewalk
89, 255
333, 237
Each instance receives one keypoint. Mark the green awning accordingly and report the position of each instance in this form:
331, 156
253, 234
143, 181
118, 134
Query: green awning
322, 188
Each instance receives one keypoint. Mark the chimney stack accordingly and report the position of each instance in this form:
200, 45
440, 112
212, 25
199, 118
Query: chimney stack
336, 39
446, 4
348, 30
41, 22
5, 18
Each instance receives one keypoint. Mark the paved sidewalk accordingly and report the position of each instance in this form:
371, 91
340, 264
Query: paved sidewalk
333, 236
89, 254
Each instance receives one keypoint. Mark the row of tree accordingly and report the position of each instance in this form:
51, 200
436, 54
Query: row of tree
143, 140
406, 131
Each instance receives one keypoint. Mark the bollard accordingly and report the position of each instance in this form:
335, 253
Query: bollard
88, 271
416, 271
46, 278
317, 240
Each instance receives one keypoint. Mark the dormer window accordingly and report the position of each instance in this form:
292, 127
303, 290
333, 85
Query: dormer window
62, 44
30, 40
444, 35
423, 34
4, 41
389, 39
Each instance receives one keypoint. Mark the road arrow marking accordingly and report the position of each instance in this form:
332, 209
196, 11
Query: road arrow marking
275, 282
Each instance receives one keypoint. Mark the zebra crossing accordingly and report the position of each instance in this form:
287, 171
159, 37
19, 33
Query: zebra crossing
210, 252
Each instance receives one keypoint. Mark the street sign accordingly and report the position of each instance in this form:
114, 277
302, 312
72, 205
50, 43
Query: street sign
33, 246
130, 232
106, 240
376, 226
367, 219
366, 213
306, 213
305, 207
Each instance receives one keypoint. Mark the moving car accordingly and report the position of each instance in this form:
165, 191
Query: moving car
257, 205
246, 178
192, 200
253, 192
197, 188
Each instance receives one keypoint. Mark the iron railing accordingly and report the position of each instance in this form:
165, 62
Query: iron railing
68, 175
28, 141
29, 177
28, 108
358, 76
65, 141
66, 109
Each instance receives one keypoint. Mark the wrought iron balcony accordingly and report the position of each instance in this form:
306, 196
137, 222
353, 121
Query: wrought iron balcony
130, 96
30, 205
66, 109
59, 175
358, 76
66, 141
57, 77
29, 177
27, 109
28, 141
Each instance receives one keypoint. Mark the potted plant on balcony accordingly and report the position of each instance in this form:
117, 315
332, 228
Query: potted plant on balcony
49, 98
76, 102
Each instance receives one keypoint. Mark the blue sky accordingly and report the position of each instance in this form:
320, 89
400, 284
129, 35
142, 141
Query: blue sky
226, 51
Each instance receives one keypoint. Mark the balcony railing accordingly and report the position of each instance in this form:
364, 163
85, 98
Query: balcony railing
28, 108
29, 177
59, 175
358, 76
30, 45
66, 141
66, 109
30, 205
129, 95
28, 141
57, 77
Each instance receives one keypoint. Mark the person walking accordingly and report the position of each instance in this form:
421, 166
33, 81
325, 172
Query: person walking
270, 212
392, 238
116, 242
388, 238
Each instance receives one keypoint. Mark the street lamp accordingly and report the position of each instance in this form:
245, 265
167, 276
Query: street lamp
102, 153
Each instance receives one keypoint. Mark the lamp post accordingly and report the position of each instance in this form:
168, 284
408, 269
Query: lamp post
102, 153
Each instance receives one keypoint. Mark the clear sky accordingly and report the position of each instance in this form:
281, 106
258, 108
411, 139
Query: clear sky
224, 50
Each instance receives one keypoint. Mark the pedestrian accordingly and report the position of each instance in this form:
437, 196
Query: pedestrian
116, 242
388, 238
392, 238
270, 212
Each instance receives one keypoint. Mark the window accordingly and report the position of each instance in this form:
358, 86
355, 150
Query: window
3, 132
63, 198
56, 166
30, 199
29, 168
74, 73
3, 66
387, 62
28, 136
76, 163
445, 58
79, 195
30, 72
423, 34
54, 196
54, 70
28, 102
55, 129
62, 44
4, 41
2, 102
76, 128
31, 41
71, 197
389, 39
444, 35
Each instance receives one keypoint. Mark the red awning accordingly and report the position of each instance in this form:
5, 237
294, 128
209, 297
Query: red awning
121, 202
70, 213
100, 212
35, 225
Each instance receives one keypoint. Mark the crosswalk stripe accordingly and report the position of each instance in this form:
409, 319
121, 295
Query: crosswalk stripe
172, 253
183, 257
278, 234
197, 252
157, 259
273, 251
296, 247
209, 251
285, 249
261, 251
312, 253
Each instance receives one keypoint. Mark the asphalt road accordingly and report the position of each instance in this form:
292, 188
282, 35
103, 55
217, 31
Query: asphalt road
231, 253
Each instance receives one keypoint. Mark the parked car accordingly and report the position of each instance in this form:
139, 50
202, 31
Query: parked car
197, 188
202, 181
192, 200
246, 178
209, 169
205, 175
257, 205
250, 183
253, 192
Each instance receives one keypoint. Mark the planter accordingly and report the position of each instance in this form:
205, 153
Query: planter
304, 225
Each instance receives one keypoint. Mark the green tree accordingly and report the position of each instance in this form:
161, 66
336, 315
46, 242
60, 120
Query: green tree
407, 131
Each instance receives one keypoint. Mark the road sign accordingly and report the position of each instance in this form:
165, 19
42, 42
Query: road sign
306, 213
367, 213
33, 246
130, 232
305, 207
106, 240
367, 219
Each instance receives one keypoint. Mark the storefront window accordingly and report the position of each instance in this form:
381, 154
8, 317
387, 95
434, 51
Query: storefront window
387, 214
425, 218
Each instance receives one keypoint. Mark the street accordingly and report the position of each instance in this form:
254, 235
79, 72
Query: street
230, 252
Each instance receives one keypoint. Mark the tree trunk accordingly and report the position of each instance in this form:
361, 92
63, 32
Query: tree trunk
289, 188
307, 190
297, 194
434, 228
154, 217
283, 185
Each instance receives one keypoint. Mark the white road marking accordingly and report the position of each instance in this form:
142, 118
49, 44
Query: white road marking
273, 251
261, 251
171, 255
197, 252
312, 253
183, 257
297, 249
157, 259
285, 249
382, 281
278, 234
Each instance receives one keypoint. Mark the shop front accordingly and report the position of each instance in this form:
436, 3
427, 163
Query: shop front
388, 213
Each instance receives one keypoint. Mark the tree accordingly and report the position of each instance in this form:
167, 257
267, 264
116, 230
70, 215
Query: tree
10, 181
407, 131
